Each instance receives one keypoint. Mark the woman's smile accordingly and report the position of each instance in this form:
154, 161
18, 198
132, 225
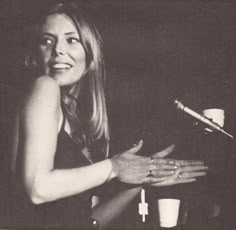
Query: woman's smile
60, 67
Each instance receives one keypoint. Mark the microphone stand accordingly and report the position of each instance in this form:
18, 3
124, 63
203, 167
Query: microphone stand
202, 118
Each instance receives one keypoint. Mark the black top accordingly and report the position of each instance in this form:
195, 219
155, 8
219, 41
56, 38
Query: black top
67, 213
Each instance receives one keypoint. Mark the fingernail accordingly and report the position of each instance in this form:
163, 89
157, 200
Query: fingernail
171, 162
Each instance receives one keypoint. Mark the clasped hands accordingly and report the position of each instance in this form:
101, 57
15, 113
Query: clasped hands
155, 170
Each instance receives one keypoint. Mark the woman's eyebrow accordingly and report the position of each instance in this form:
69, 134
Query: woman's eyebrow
48, 34
71, 33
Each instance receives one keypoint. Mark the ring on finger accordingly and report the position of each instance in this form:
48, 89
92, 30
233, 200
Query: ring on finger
150, 173
171, 162
152, 160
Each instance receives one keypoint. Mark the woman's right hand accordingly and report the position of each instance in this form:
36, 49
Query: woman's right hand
134, 169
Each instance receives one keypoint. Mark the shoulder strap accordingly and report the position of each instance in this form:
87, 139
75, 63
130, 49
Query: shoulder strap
63, 118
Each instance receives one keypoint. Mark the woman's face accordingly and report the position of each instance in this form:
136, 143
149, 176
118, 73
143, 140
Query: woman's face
61, 54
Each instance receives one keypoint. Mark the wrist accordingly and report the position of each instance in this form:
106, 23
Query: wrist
113, 172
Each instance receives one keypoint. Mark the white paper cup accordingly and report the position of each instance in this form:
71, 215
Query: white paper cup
168, 212
217, 115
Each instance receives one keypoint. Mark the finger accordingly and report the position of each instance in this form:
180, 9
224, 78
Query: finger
157, 160
188, 163
136, 148
169, 183
185, 180
151, 180
163, 173
191, 174
193, 168
163, 167
157, 163
164, 152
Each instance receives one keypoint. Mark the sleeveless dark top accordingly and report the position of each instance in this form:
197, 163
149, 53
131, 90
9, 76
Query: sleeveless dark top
67, 213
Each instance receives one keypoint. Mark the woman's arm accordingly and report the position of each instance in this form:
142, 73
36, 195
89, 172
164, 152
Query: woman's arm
40, 123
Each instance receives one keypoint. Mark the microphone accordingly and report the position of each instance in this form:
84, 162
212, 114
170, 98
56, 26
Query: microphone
201, 118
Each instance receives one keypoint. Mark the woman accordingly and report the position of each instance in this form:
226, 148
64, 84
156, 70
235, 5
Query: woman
62, 138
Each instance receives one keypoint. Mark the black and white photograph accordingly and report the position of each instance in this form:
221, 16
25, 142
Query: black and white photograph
117, 115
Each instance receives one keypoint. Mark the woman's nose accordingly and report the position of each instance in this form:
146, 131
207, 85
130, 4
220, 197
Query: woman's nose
59, 48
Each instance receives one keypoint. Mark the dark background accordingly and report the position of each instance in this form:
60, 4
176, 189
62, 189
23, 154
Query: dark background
149, 45
155, 51
179, 47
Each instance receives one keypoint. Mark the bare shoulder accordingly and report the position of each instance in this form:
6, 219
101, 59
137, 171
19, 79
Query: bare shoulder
44, 93
46, 84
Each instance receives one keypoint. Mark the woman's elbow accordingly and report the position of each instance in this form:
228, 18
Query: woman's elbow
36, 200
38, 193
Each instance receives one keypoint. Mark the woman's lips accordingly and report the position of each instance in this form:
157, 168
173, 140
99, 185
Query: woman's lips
60, 67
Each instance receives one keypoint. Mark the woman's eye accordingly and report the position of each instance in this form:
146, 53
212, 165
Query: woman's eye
46, 41
73, 40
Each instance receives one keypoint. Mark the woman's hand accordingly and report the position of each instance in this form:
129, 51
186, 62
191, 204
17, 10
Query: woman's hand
187, 172
134, 169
